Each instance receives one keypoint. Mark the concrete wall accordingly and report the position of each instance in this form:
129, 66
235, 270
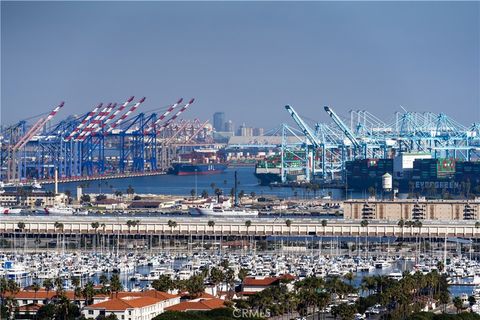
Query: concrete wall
259, 227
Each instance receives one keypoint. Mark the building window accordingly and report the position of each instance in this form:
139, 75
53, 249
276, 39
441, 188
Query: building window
90, 311
25, 302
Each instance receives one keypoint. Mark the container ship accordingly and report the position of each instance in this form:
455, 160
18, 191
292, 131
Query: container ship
268, 170
185, 169
199, 162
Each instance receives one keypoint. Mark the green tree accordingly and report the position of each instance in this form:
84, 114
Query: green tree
130, 191
88, 292
163, 283
85, 198
218, 193
115, 284
458, 304
288, 223
48, 284
242, 274
216, 277
195, 285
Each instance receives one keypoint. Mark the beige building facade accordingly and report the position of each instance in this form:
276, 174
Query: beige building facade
412, 209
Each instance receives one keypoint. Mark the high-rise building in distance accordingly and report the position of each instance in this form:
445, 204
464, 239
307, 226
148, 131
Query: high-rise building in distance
229, 126
218, 121
258, 131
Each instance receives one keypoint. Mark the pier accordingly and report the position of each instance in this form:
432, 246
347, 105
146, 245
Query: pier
103, 177
258, 227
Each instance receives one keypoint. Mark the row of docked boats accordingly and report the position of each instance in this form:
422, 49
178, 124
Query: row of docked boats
143, 267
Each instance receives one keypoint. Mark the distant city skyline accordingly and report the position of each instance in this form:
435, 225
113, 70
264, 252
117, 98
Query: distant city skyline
243, 58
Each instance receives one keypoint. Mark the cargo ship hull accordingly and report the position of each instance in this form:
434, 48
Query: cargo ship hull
186, 169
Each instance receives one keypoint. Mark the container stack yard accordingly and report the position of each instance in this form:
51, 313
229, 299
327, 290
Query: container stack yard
419, 149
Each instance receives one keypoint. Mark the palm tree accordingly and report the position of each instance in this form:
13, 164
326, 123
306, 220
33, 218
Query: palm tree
48, 284
130, 191
59, 226
458, 303
364, 224
241, 194
95, 225
21, 227
88, 292
218, 193
115, 284
35, 288
211, 224
130, 224
324, 224
172, 224
288, 222
248, 224
349, 277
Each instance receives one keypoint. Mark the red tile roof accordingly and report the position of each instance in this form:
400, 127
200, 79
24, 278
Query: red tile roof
40, 295
203, 295
122, 304
127, 300
261, 282
205, 304
148, 293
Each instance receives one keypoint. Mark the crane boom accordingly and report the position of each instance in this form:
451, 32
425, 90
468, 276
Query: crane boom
196, 132
163, 116
120, 109
342, 127
175, 116
303, 126
84, 122
93, 124
124, 116
36, 127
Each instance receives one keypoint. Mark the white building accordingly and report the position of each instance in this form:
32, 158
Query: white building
131, 305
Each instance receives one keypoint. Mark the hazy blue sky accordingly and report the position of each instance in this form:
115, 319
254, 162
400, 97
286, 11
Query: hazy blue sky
247, 59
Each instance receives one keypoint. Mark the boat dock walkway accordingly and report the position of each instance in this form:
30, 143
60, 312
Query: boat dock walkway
103, 177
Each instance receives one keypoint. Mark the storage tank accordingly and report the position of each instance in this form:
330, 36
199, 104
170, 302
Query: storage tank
387, 181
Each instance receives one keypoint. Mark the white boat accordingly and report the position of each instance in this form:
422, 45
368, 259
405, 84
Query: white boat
4, 210
395, 276
59, 210
80, 212
12, 210
218, 211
